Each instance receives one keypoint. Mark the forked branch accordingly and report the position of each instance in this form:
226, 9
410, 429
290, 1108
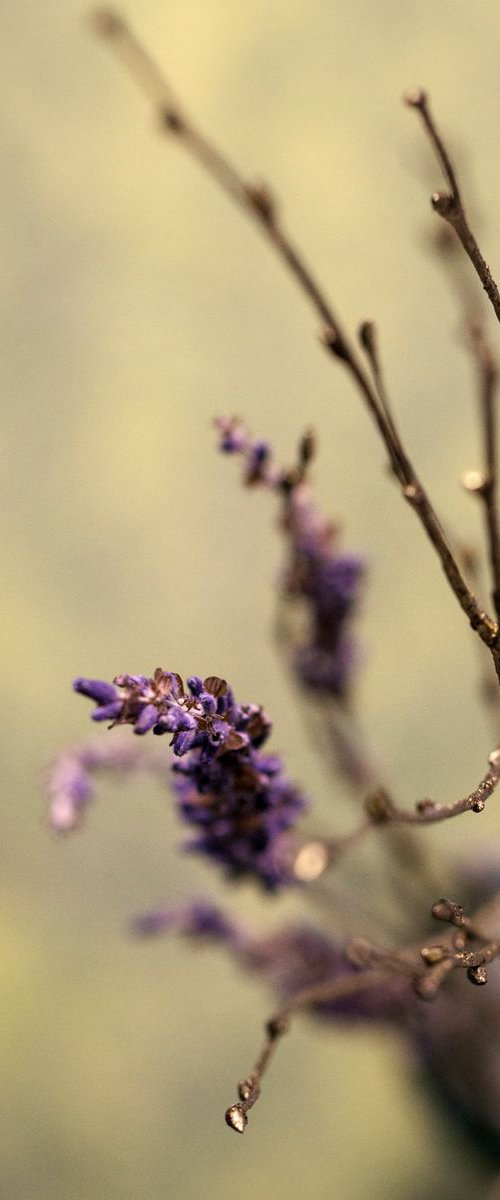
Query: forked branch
279, 1024
426, 968
258, 203
449, 205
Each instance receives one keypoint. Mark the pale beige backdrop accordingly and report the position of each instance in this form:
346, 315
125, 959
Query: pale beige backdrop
135, 305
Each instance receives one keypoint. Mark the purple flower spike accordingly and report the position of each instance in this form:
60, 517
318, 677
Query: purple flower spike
237, 798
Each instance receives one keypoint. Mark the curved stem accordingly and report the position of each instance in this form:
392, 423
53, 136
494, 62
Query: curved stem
258, 203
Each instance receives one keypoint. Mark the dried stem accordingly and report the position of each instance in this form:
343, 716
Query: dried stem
381, 811
337, 989
258, 203
449, 205
487, 483
368, 338
427, 968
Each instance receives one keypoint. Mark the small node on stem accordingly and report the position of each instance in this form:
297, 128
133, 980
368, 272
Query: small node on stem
442, 203
367, 334
262, 201
447, 910
459, 940
412, 494
276, 1027
426, 986
107, 23
360, 952
477, 975
425, 805
433, 954
478, 805
474, 482
307, 448
494, 760
416, 98
170, 119
335, 344
236, 1118
379, 806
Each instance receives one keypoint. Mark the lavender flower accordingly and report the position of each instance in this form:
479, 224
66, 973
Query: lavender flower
237, 797
317, 572
70, 778
197, 919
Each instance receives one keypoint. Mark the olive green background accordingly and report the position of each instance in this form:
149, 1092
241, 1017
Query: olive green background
136, 304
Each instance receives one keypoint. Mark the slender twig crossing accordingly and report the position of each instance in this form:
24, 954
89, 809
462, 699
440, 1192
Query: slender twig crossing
258, 203
449, 205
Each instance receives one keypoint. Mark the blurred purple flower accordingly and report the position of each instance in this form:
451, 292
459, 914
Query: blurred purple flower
71, 778
328, 580
289, 959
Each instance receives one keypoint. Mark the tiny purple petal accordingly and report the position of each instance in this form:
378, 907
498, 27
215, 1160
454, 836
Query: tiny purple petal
195, 685
150, 924
108, 712
182, 742
95, 689
146, 719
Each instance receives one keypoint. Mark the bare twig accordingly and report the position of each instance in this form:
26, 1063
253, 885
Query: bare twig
449, 205
482, 483
367, 334
383, 811
259, 204
337, 989
427, 967
485, 485
315, 857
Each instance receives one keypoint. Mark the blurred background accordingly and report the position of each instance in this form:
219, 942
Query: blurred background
137, 304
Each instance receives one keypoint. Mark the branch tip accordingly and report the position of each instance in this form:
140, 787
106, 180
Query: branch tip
416, 98
334, 342
447, 910
443, 204
107, 23
477, 975
236, 1118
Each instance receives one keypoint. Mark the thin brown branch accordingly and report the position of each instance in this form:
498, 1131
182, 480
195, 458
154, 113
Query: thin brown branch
258, 203
427, 967
487, 681
449, 205
337, 989
383, 811
486, 484
367, 334
314, 857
